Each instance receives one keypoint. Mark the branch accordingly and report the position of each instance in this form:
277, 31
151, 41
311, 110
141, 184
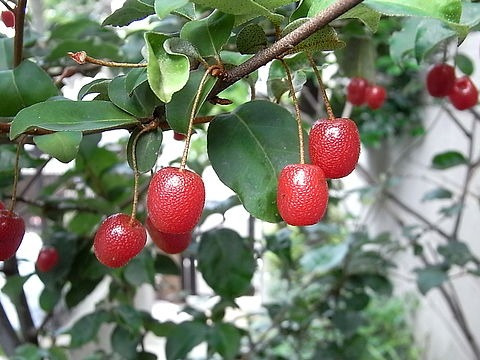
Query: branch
19, 28
283, 45
9, 339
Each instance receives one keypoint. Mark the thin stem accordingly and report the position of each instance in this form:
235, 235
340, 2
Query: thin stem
9, 339
196, 101
298, 116
81, 57
19, 30
328, 107
6, 5
16, 175
456, 121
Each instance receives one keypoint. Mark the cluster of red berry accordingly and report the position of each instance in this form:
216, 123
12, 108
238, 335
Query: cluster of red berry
8, 18
360, 92
334, 147
175, 201
441, 82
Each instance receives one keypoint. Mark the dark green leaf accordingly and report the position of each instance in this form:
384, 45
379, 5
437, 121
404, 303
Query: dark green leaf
430, 277
167, 73
99, 86
14, 286
348, 322
132, 10
17, 91
124, 342
448, 159
140, 270
430, 33
225, 340
147, 149
358, 58
57, 353
135, 78
66, 115
164, 8
248, 148
165, 265
6, 53
465, 64
27, 352
209, 35
49, 298
86, 328
438, 193
226, 262
365, 14
183, 338
456, 253
178, 110
251, 39
61, 145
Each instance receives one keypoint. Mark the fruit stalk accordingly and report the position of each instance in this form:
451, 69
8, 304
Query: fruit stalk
196, 101
328, 107
298, 116
16, 174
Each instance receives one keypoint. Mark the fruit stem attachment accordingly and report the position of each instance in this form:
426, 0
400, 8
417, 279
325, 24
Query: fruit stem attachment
196, 101
298, 116
81, 57
328, 107
16, 174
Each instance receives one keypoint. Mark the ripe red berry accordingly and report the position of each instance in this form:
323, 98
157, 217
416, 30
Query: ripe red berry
12, 229
8, 18
178, 136
302, 195
375, 96
464, 94
334, 146
47, 259
356, 90
118, 240
175, 200
168, 243
440, 80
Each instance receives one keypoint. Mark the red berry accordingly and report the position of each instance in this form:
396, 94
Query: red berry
440, 80
47, 259
168, 243
375, 96
178, 136
8, 18
302, 195
2, 205
334, 146
118, 240
12, 229
356, 90
175, 200
464, 94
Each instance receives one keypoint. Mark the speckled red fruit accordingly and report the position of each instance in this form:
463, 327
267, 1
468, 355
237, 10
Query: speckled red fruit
440, 80
117, 240
175, 200
302, 195
8, 18
464, 94
178, 136
47, 259
12, 229
356, 90
375, 96
168, 243
334, 146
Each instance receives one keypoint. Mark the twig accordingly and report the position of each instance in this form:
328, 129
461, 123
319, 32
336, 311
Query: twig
19, 31
323, 92
7, 5
9, 339
456, 121
81, 57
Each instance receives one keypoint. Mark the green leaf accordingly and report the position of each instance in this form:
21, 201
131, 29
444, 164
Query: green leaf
140, 270
358, 58
251, 39
248, 148
470, 14
225, 339
165, 265
27, 352
99, 86
14, 286
438, 193
140, 102
183, 338
365, 14
86, 328
124, 342
147, 149
402, 43
61, 145
324, 39
277, 83
209, 35
177, 45
226, 262
324, 258
17, 90
430, 32
132, 10
465, 64
164, 8
448, 159
430, 277
49, 298
67, 115
135, 78
456, 253
6, 53
179, 109
167, 73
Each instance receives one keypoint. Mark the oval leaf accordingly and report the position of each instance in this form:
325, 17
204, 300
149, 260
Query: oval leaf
67, 115
248, 148
147, 149
98, 86
61, 145
448, 159
167, 73
183, 338
226, 262
251, 39
132, 10
164, 8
